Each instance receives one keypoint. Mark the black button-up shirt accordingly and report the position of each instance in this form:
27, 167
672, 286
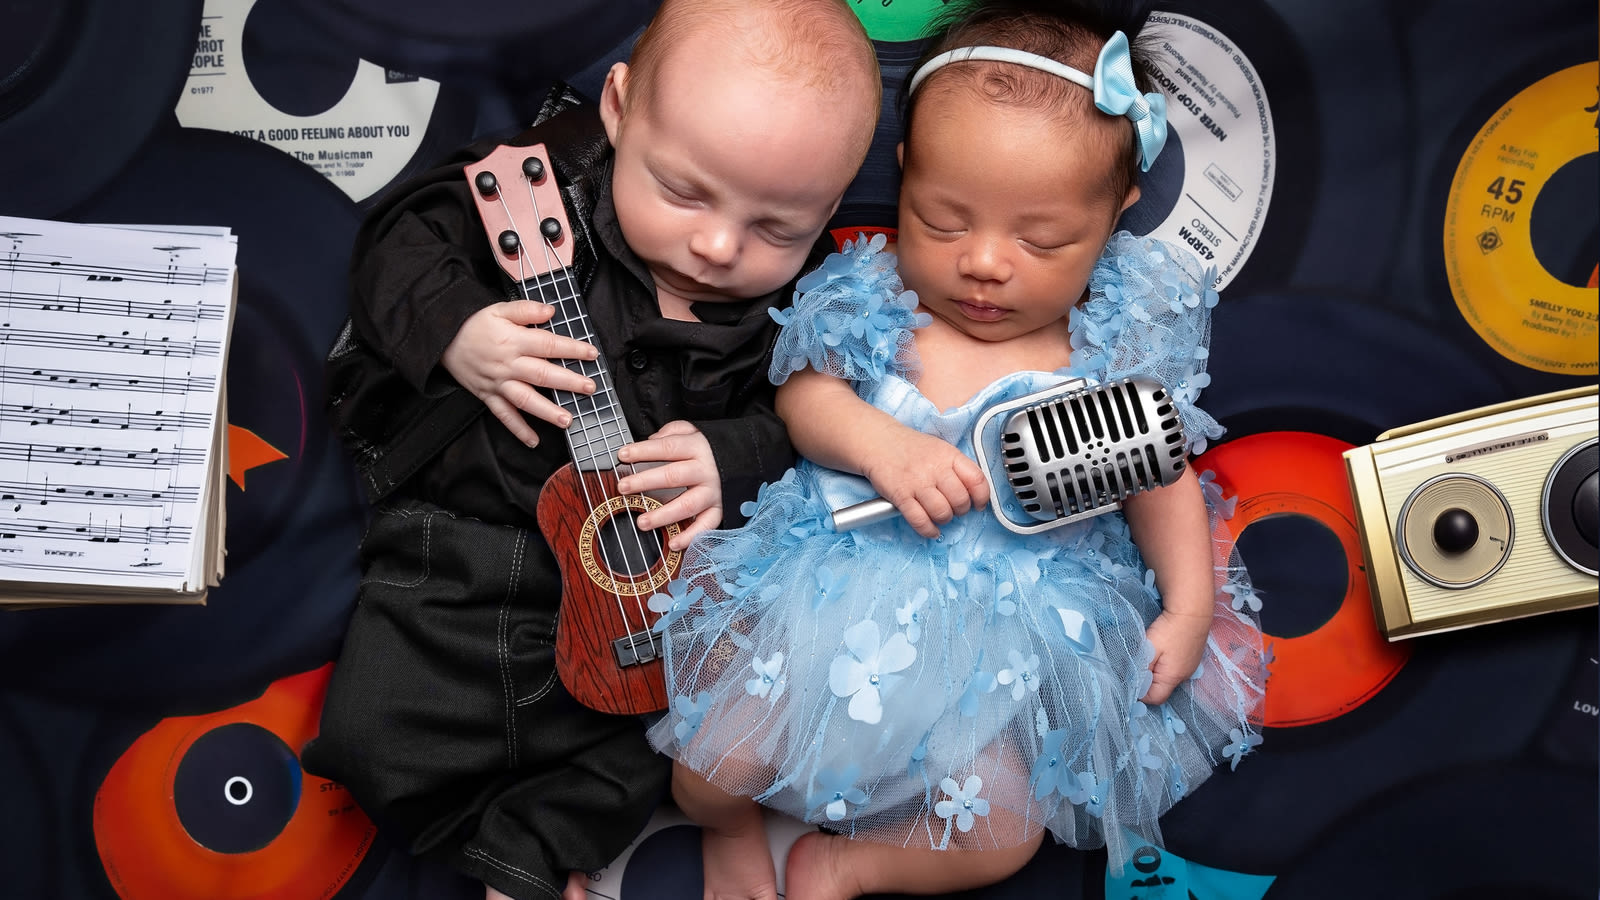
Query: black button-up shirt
424, 266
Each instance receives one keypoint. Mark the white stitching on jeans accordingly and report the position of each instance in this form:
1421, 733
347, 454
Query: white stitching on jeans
550, 680
511, 870
504, 648
427, 560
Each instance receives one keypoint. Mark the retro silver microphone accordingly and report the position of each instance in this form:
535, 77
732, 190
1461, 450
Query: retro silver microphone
1069, 452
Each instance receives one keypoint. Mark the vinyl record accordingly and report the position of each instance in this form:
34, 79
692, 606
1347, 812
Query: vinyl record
557, 37
1521, 235
294, 527
260, 72
216, 806
1245, 139
902, 22
1471, 59
1482, 832
1326, 661
82, 84
501, 54
1210, 189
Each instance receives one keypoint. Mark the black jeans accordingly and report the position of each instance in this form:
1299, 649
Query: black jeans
445, 719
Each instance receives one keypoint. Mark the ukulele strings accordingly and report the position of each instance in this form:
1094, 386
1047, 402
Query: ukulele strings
622, 533
553, 266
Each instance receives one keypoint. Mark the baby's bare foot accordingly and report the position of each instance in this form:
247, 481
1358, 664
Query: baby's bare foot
738, 865
816, 869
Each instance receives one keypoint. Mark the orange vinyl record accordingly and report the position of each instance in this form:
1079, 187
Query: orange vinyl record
1344, 662
216, 806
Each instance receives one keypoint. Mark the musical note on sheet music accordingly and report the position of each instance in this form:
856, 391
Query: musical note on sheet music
112, 353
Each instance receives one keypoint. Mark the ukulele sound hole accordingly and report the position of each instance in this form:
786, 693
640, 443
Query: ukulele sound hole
626, 550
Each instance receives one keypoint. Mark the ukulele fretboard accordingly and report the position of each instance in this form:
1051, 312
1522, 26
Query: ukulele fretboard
598, 428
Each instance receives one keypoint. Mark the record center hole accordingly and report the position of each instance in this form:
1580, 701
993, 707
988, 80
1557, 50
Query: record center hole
238, 791
1563, 224
1298, 569
299, 71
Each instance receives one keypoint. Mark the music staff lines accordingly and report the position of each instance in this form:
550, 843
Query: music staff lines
15, 493
172, 274
104, 457
106, 381
22, 527
124, 420
161, 310
123, 342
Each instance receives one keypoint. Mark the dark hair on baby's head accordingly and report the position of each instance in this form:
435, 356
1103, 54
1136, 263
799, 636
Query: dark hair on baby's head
1068, 31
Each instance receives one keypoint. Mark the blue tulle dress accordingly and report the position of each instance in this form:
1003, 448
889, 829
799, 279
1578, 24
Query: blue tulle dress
970, 690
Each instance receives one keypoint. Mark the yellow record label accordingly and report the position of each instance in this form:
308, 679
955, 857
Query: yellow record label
1508, 297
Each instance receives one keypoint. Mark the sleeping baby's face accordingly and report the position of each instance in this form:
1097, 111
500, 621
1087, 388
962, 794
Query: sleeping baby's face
726, 172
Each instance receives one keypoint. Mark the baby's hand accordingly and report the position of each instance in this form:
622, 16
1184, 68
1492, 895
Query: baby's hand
677, 456
927, 479
500, 360
1179, 640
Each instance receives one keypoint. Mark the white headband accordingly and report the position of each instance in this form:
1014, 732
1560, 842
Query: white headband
1115, 91
1000, 54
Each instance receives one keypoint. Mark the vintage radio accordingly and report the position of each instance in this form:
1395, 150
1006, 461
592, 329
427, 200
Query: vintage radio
1482, 516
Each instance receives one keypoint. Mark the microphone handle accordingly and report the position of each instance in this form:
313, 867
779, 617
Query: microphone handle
860, 515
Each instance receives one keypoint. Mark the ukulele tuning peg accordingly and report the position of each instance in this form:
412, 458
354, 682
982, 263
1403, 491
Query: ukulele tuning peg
510, 243
487, 185
551, 229
533, 167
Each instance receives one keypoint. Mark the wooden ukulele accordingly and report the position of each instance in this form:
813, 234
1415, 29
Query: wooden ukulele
606, 654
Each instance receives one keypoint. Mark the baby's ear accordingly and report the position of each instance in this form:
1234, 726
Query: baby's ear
612, 97
1131, 199
900, 154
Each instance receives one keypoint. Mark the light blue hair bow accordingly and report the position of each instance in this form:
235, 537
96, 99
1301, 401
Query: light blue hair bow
1115, 91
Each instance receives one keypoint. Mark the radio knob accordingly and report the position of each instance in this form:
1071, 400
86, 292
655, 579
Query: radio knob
1455, 531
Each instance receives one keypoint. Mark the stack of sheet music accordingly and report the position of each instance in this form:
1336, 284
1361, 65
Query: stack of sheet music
113, 417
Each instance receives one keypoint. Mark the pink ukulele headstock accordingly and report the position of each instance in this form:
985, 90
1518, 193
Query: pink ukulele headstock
523, 216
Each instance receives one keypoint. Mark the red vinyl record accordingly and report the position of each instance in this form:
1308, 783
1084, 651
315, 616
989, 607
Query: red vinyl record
216, 806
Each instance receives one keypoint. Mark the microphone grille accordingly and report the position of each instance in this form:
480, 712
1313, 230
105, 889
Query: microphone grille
1085, 452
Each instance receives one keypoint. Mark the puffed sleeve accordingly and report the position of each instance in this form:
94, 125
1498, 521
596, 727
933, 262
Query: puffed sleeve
851, 319
1149, 314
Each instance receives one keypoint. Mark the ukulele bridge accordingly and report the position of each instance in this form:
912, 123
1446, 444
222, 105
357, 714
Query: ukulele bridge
636, 649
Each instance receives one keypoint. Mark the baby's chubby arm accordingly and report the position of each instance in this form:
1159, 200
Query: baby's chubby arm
500, 360
928, 479
1172, 529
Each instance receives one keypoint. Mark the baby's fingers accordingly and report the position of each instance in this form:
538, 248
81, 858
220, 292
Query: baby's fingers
918, 517
977, 486
533, 371
522, 396
511, 417
1160, 690
702, 523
